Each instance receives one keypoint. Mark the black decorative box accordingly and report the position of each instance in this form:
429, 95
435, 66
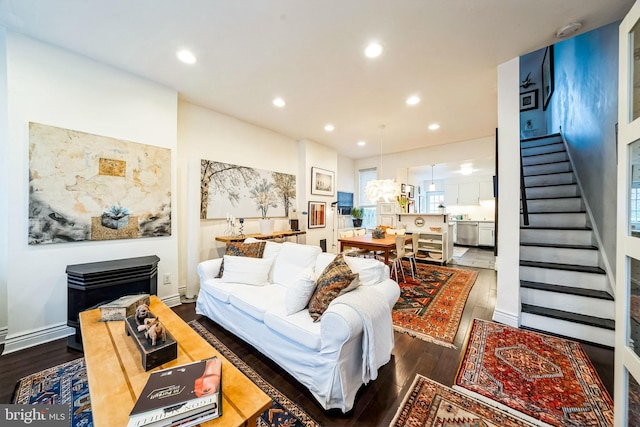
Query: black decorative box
152, 355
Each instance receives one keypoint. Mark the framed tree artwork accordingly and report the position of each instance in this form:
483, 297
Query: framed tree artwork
317, 214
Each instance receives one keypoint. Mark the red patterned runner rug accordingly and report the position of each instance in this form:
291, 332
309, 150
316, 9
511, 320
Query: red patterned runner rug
430, 307
430, 404
547, 378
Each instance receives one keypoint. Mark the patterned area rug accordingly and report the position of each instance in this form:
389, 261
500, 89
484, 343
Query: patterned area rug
283, 412
67, 383
430, 307
430, 404
547, 378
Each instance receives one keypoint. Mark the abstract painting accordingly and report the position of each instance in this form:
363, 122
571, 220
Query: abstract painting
90, 187
244, 192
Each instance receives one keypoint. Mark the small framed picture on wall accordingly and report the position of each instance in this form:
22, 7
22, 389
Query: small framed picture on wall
529, 100
317, 214
322, 182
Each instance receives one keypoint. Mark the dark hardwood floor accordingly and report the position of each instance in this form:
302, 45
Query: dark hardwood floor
376, 402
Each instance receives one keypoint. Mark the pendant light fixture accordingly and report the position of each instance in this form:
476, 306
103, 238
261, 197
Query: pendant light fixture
386, 190
432, 186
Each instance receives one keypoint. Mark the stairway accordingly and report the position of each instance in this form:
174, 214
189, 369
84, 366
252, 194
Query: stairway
563, 288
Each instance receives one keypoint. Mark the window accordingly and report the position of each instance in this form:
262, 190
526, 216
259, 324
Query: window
634, 215
370, 217
434, 199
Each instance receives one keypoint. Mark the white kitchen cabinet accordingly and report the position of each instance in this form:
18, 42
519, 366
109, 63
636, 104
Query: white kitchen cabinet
486, 234
451, 194
486, 190
469, 193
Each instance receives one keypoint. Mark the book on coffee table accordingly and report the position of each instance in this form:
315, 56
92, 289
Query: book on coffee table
182, 395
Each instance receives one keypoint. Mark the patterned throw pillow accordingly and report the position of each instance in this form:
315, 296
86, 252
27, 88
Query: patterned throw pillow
334, 278
251, 250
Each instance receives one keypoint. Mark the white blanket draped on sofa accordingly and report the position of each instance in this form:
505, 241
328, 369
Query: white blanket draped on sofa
377, 342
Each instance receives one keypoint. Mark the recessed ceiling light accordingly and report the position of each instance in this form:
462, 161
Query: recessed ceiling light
186, 57
434, 126
466, 169
362, 143
568, 29
413, 100
329, 127
279, 102
373, 50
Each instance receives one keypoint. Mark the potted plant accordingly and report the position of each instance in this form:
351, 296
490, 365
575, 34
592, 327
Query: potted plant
356, 216
441, 208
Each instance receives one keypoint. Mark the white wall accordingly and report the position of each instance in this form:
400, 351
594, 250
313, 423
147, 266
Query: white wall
344, 176
4, 186
507, 308
206, 134
51, 86
313, 154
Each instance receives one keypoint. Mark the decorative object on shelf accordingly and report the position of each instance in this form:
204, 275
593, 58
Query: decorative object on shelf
381, 189
529, 100
441, 208
547, 77
266, 225
154, 331
436, 229
241, 230
378, 233
322, 182
419, 222
229, 230
403, 202
156, 345
356, 216
317, 212
528, 81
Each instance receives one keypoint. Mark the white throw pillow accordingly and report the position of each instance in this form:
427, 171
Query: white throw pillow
300, 291
246, 270
271, 250
292, 259
370, 271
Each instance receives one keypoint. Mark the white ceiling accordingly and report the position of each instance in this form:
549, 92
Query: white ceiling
311, 54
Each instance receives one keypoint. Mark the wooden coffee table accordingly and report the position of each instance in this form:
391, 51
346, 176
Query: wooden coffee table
116, 376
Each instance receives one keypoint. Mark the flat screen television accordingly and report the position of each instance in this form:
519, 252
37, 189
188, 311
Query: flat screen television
345, 202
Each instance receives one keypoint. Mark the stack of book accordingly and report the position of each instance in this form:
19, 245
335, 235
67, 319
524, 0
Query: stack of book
183, 396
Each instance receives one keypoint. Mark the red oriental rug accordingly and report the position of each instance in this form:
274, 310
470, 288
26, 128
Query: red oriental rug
430, 404
430, 307
546, 378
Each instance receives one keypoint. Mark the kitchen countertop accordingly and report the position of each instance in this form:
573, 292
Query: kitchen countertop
473, 220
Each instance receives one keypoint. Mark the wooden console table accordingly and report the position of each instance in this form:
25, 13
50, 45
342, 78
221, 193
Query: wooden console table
274, 235
116, 376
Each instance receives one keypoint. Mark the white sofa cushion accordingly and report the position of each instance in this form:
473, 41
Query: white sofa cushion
291, 260
299, 293
256, 300
298, 327
246, 270
271, 250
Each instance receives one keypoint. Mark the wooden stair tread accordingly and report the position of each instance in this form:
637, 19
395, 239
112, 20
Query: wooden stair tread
562, 150
571, 290
559, 245
549, 185
568, 267
568, 316
547, 227
554, 198
535, 138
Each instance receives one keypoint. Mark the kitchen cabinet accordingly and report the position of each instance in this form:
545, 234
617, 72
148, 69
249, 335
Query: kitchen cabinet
467, 193
486, 234
486, 190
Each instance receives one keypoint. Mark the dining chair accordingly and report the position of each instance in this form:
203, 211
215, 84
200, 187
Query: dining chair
411, 255
396, 257
348, 251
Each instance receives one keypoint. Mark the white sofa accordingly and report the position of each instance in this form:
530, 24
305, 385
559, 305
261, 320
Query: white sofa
332, 357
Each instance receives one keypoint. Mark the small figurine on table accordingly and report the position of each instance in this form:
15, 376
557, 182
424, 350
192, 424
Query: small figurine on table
154, 330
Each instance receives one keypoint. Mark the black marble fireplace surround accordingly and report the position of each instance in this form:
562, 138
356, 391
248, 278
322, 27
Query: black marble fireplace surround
93, 284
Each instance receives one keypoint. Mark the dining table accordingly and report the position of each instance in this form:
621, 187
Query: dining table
367, 241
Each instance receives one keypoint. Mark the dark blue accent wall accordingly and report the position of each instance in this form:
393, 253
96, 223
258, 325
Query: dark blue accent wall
584, 105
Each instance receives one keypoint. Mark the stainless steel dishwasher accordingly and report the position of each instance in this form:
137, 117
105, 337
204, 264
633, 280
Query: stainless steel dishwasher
467, 233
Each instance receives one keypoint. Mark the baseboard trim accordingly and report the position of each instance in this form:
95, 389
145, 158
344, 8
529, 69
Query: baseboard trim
509, 319
37, 337
172, 300
3, 334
